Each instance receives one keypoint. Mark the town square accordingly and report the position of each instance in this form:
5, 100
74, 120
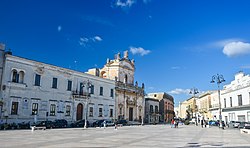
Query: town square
127, 136
124, 73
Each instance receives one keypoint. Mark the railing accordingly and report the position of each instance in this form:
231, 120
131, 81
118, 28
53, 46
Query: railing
77, 94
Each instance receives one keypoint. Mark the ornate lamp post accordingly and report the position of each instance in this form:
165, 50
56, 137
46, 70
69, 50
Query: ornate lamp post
194, 91
218, 79
88, 85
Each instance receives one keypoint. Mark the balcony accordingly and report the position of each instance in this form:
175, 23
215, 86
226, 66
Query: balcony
77, 94
129, 87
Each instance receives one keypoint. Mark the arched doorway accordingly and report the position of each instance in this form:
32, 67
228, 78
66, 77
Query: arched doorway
79, 112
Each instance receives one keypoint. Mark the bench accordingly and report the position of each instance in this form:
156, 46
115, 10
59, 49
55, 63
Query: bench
246, 131
38, 128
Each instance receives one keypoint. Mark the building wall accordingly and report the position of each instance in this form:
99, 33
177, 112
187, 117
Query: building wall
166, 105
232, 110
25, 93
152, 116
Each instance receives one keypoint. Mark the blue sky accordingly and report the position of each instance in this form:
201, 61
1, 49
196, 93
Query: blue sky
176, 44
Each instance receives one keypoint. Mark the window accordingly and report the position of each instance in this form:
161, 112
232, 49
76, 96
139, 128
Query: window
69, 85
52, 110
248, 116
249, 98
21, 76
151, 109
34, 108
225, 101
239, 100
37, 80
81, 88
54, 83
126, 79
100, 112
231, 102
92, 89
15, 76
68, 110
156, 109
120, 110
101, 91
14, 108
112, 93
111, 112
91, 111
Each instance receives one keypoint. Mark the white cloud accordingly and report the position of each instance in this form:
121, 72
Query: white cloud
222, 43
125, 3
175, 67
59, 28
97, 38
179, 91
139, 50
233, 49
83, 41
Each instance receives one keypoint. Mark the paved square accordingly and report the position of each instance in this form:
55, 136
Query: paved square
127, 136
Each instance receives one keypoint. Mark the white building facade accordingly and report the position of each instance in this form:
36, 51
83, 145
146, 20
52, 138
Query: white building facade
34, 91
235, 99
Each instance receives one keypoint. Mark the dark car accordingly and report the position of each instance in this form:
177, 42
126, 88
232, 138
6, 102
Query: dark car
98, 123
59, 123
47, 124
247, 125
108, 123
79, 123
122, 122
242, 124
213, 123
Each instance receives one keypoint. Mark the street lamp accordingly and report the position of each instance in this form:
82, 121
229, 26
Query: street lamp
143, 104
194, 91
218, 79
87, 95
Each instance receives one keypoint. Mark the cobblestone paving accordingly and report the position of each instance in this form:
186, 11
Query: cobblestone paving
127, 136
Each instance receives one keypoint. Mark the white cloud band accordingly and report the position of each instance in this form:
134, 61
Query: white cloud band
139, 50
233, 49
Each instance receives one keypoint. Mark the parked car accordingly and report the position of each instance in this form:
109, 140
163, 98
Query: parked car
242, 124
247, 125
97, 123
213, 123
236, 124
79, 123
59, 123
122, 122
47, 124
108, 123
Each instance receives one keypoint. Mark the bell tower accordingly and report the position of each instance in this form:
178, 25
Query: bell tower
120, 69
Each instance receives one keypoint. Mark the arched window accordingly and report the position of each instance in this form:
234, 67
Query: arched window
21, 76
14, 76
151, 109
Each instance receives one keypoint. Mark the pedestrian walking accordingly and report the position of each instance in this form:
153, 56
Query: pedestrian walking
172, 123
104, 124
202, 122
176, 123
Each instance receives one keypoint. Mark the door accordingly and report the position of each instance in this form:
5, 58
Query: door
79, 112
130, 114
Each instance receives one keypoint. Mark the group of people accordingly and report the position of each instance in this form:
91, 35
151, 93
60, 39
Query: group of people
174, 123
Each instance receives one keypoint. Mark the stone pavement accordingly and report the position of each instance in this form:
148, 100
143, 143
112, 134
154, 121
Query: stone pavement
127, 136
